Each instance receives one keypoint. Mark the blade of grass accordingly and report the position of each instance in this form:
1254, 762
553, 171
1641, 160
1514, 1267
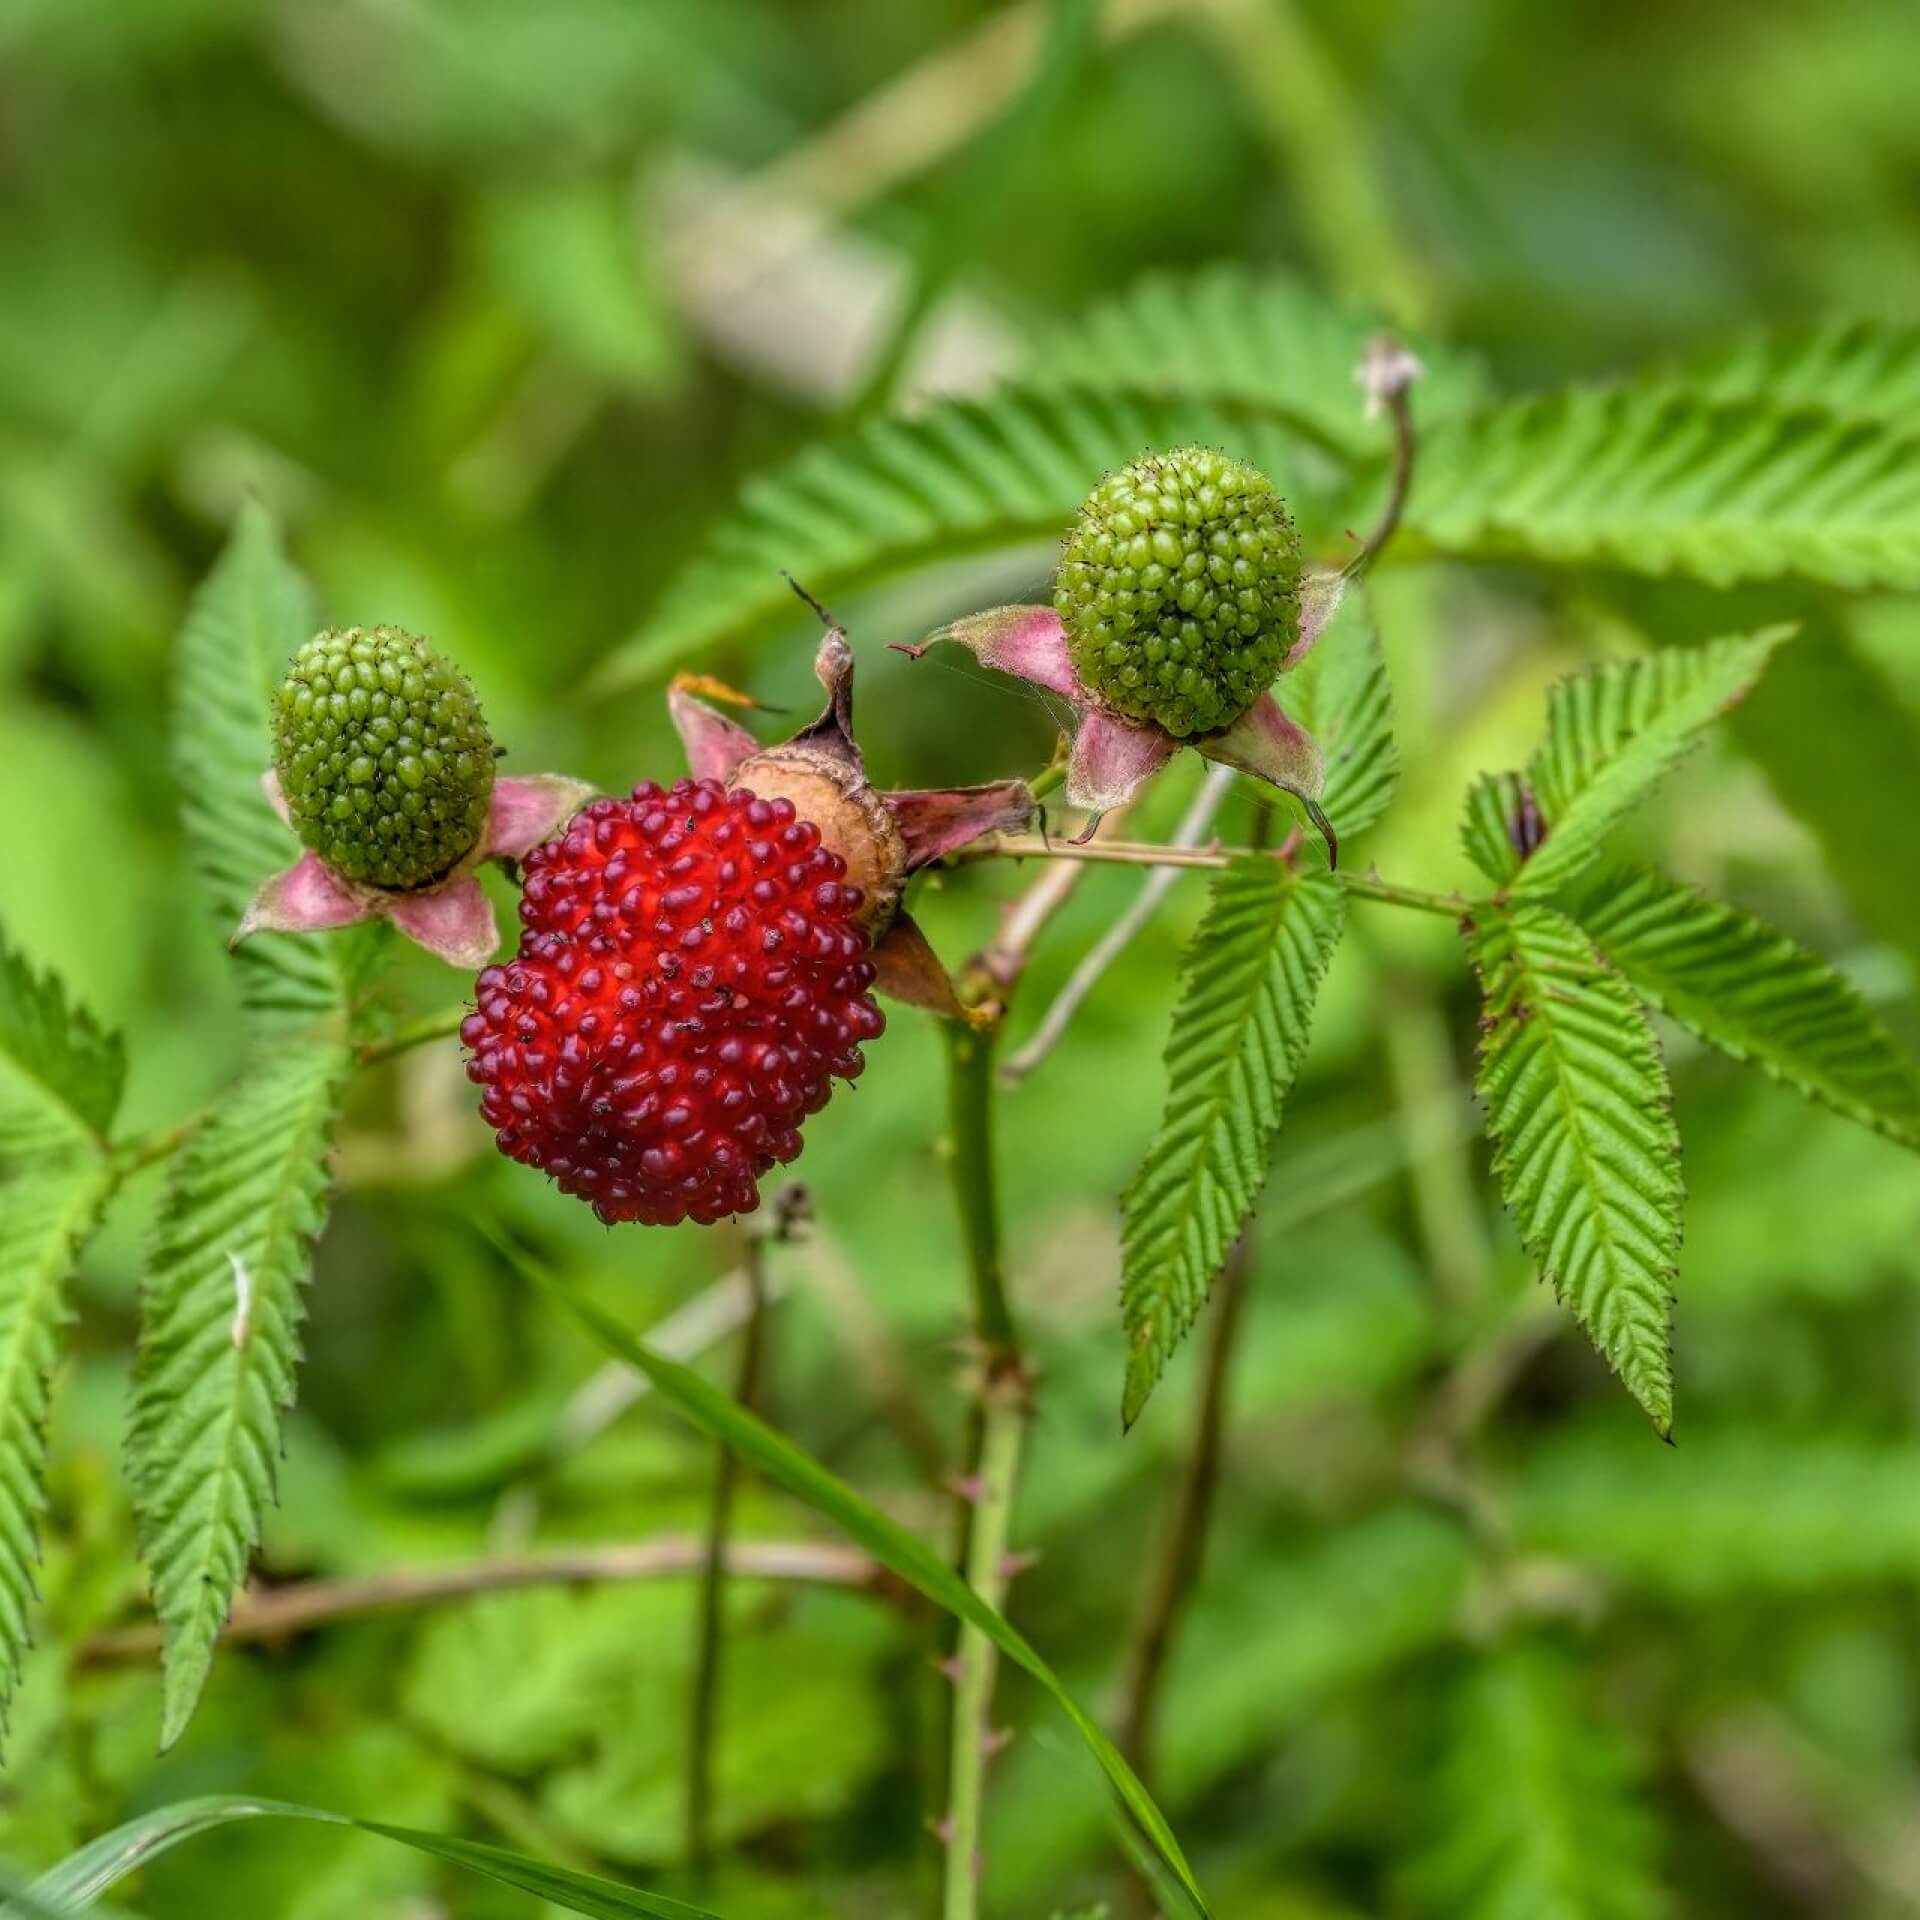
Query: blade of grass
82, 1877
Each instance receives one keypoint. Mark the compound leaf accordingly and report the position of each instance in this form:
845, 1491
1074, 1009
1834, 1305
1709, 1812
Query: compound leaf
1615, 730
1747, 989
220, 1313
60, 1078
1586, 1151
1659, 480
1239, 1034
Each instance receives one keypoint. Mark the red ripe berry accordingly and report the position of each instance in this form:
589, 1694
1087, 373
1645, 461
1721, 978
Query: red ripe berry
689, 984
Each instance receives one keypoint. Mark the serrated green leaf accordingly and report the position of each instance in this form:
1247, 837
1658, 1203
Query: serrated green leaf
250, 614
1538, 1818
1240, 1031
1747, 989
220, 1312
1665, 482
1496, 805
964, 477
1264, 340
84, 1876
60, 1073
782, 1463
49, 1205
1586, 1151
1615, 730
1341, 695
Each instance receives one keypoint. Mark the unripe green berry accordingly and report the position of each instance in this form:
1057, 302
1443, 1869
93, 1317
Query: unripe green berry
1179, 589
383, 756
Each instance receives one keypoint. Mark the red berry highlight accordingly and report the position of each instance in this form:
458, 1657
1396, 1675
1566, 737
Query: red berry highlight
689, 985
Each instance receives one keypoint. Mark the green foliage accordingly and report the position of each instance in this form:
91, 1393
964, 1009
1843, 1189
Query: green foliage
1261, 341
1340, 694
1834, 735
1753, 993
1586, 1151
1862, 372
1537, 1814
1664, 482
220, 1312
1614, 731
60, 1073
964, 477
60, 1080
108, 1861
589, 1691
1239, 1035
503, 310
245, 623
889, 1542
1733, 1511
1496, 804
48, 1208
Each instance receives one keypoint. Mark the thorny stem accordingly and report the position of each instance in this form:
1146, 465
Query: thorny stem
1177, 1570
1000, 1428
787, 1209
970, 1086
1003, 1428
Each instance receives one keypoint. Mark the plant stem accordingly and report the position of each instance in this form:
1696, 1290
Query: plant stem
277, 1613
418, 1032
1002, 1430
710, 1629
987, 985
1142, 853
1177, 1569
970, 1092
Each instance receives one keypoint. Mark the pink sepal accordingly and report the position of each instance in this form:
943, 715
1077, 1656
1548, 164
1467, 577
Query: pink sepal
936, 821
1112, 759
454, 922
1320, 597
1267, 744
529, 809
907, 969
270, 786
1026, 641
308, 898
715, 744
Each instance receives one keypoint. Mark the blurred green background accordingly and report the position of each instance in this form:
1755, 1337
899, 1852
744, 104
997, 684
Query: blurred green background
498, 303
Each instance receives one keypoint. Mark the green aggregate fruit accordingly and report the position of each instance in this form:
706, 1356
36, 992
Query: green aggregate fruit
1179, 589
383, 756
